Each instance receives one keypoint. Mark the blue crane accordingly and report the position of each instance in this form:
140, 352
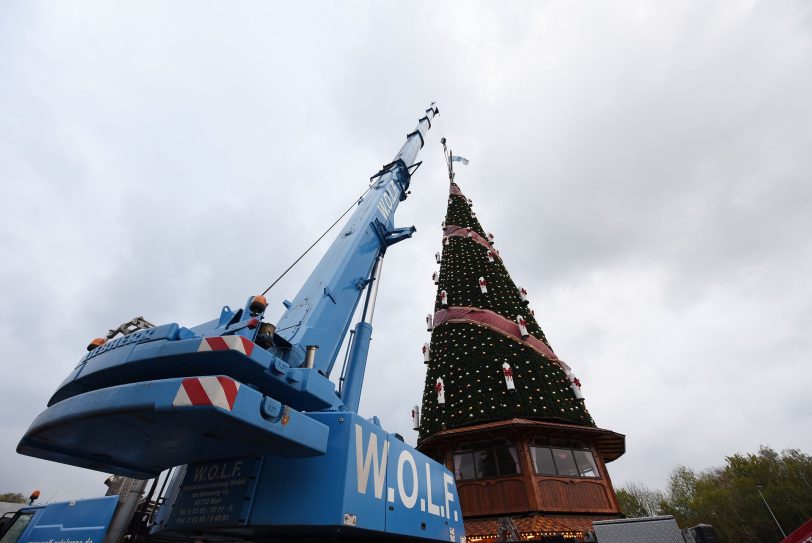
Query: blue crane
265, 446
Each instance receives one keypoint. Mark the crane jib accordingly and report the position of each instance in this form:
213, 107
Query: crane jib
321, 312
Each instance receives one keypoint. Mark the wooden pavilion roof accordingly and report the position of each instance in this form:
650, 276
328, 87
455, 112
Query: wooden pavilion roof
611, 445
573, 526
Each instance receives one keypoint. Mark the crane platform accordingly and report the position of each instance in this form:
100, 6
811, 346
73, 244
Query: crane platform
171, 350
169, 422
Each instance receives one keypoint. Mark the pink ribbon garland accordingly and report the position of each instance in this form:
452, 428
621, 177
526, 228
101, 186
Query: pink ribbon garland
462, 231
485, 317
498, 323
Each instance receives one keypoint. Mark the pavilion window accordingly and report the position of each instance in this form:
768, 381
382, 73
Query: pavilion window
506, 457
543, 460
565, 462
562, 457
586, 464
464, 463
485, 459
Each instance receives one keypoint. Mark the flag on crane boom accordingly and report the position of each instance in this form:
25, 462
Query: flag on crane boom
455, 158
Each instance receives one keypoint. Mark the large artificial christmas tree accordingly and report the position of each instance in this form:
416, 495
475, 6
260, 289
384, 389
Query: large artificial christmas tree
499, 407
486, 346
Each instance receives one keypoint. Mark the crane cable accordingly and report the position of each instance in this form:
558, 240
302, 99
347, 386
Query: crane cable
354, 203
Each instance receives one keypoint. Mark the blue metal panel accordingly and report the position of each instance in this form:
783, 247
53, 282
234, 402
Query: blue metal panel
140, 429
316, 492
422, 496
368, 480
164, 355
81, 521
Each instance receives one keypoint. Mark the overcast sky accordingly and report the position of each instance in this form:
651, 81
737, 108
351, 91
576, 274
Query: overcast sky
644, 167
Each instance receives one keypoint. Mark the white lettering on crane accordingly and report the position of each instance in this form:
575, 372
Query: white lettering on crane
449, 497
434, 509
370, 460
215, 472
363, 461
408, 499
388, 199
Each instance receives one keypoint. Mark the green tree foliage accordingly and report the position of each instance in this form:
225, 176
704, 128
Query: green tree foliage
727, 497
681, 493
638, 500
468, 356
12, 497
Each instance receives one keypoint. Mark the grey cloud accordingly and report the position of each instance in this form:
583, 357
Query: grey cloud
644, 169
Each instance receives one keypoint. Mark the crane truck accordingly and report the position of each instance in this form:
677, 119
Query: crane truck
262, 444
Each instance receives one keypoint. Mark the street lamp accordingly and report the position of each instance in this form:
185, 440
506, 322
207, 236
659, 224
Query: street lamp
758, 489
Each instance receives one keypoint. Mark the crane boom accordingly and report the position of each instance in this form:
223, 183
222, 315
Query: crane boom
321, 312
267, 450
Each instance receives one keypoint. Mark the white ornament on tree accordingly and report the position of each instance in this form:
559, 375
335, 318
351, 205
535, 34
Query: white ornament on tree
415, 418
438, 257
468, 232
483, 285
522, 326
576, 386
507, 371
426, 353
489, 255
443, 298
429, 322
523, 295
439, 388
435, 277
490, 238
445, 240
